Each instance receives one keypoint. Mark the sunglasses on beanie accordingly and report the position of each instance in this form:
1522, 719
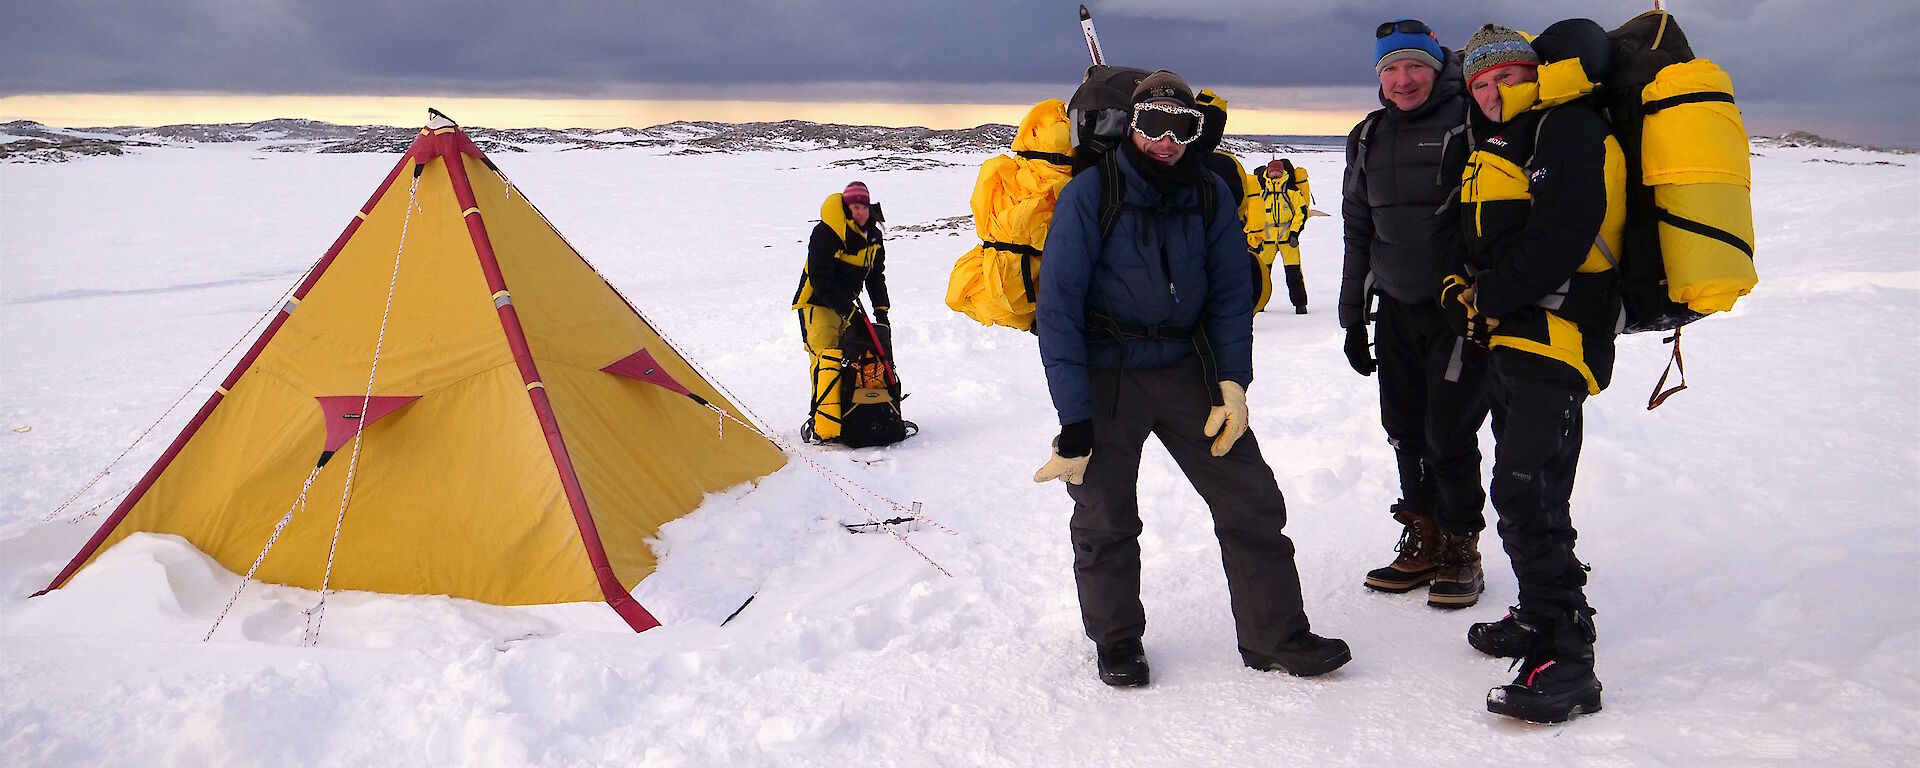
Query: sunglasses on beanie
1155, 121
1408, 26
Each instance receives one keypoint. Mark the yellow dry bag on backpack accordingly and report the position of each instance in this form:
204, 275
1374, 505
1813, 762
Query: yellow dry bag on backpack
1692, 201
1013, 201
1694, 157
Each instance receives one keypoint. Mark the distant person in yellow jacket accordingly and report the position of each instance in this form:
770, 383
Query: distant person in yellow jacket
843, 254
1284, 188
1247, 202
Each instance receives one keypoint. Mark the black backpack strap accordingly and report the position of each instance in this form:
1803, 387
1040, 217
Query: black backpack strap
1704, 230
1028, 255
1209, 201
1358, 165
1113, 192
1685, 98
1054, 158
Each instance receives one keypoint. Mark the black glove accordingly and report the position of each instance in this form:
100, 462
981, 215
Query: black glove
880, 316
1076, 439
1357, 355
1457, 307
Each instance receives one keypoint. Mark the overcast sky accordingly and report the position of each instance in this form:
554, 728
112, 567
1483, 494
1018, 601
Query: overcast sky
1846, 68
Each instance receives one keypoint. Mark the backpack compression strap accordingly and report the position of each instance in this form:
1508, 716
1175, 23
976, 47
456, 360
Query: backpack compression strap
1673, 363
1027, 254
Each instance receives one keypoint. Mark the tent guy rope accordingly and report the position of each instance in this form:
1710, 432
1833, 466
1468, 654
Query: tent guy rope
317, 614
310, 633
194, 387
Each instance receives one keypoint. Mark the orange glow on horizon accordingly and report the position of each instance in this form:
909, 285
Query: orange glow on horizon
150, 110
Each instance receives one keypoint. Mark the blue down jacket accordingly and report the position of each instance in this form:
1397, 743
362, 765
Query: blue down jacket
1160, 267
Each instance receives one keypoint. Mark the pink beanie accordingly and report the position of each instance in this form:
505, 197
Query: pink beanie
856, 193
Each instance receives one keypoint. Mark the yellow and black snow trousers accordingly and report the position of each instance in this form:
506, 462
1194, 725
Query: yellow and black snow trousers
820, 331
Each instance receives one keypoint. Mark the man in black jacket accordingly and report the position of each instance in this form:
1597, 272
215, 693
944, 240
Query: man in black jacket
1403, 163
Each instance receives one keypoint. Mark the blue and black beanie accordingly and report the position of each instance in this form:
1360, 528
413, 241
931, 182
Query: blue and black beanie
1397, 45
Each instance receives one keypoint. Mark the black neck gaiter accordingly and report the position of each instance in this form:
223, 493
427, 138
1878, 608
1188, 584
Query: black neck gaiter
1185, 172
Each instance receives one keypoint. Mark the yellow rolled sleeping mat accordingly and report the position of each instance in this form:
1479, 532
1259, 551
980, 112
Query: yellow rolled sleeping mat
1013, 200
1694, 157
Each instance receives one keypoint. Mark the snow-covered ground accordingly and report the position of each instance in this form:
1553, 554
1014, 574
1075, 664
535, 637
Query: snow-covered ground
1753, 541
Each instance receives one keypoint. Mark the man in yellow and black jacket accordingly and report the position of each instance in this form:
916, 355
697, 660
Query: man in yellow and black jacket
1242, 185
1542, 212
1286, 194
844, 253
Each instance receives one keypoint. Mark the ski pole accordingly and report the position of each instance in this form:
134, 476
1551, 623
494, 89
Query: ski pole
1093, 38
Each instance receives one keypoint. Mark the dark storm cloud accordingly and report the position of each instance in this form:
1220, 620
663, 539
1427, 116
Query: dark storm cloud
1826, 64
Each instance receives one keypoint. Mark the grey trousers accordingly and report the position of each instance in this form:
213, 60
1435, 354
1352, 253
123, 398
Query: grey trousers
1239, 489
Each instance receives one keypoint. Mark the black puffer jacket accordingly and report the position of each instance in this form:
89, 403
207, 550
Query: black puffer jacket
1402, 168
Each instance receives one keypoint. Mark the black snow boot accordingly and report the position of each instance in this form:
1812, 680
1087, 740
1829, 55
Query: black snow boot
1305, 655
1123, 665
1419, 541
1510, 637
1556, 678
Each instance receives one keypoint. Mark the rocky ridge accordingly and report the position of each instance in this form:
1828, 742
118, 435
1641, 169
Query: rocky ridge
27, 141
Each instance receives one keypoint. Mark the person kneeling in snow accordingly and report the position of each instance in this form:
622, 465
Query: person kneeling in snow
1149, 331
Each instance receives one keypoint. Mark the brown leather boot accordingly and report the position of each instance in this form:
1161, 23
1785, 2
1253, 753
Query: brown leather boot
1414, 565
1458, 581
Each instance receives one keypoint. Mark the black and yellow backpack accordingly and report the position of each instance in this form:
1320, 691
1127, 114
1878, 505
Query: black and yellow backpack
1687, 249
1690, 180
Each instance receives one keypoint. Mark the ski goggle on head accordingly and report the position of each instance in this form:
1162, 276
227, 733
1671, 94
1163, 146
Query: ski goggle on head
1157, 120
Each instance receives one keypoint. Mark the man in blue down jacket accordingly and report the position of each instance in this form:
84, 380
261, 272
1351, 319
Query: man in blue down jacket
1147, 329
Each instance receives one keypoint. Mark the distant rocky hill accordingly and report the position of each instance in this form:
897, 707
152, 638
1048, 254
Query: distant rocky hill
892, 148
1805, 139
27, 141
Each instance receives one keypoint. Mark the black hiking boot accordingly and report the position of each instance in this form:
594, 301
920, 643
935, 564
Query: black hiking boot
1306, 655
1123, 665
1556, 679
1510, 637
1458, 580
1299, 309
1414, 566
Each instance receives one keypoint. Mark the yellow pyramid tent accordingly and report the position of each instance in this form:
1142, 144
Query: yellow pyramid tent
513, 429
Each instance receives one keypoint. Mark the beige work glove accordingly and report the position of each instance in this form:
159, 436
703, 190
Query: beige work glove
1079, 439
1058, 467
1228, 421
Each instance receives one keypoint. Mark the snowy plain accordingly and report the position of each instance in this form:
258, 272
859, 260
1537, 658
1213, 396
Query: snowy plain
1752, 541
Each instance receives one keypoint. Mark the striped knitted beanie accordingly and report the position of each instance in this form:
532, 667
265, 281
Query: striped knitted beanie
1495, 46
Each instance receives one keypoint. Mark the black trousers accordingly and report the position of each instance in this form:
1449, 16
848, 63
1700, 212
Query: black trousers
1248, 511
1536, 445
1296, 285
1433, 400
